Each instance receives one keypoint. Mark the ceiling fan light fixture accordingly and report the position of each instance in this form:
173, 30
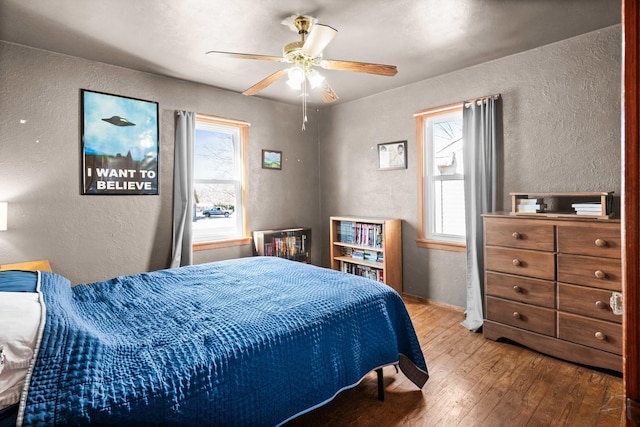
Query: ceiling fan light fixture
315, 79
304, 55
296, 77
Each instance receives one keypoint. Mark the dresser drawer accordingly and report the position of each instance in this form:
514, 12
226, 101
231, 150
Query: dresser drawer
522, 289
536, 264
599, 334
603, 273
602, 240
525, 316
589, 302
520, 234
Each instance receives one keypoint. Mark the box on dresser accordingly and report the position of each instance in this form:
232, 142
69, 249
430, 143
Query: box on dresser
548, 286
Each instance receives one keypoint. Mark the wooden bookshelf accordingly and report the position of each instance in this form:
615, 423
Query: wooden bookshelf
289, 243
558, 205
369, 247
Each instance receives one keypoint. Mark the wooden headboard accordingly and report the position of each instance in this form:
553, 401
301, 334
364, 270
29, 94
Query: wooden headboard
42, 265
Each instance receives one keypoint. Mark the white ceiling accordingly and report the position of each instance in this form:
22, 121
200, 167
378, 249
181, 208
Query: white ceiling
423, 38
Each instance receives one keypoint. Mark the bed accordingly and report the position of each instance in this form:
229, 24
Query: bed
251, 341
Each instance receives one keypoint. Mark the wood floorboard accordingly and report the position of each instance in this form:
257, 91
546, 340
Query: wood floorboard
473, 376
476, 382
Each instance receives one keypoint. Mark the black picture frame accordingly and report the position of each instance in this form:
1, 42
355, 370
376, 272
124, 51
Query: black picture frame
120, 144
392, 155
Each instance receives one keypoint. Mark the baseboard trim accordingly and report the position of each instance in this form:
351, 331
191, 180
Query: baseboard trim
422, 300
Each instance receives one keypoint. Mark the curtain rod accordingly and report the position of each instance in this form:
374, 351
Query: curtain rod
454, 106
479, 101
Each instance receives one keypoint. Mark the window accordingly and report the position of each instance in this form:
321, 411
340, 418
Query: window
219, 183
441, 210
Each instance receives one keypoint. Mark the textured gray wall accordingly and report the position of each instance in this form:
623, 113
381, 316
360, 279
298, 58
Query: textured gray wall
561, 110
89, 238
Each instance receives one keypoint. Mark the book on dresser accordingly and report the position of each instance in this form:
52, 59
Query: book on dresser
528, 207
289, 243
596, 204
554, 285
368, 247
594, 208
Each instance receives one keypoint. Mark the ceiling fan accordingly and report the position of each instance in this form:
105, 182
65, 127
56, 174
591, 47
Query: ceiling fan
306, 54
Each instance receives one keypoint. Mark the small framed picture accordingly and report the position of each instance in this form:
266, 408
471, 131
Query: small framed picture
392, 155
271, 159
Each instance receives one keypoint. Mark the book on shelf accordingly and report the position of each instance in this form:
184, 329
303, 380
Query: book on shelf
362, 270
268, 249
592, 205
534, 201
360, 233
593, 208
346, 231
286, 246
598, 209
292, 243
537, 207
357, 253
371, 255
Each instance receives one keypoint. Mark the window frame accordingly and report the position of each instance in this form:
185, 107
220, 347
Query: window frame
243, 130
421, 239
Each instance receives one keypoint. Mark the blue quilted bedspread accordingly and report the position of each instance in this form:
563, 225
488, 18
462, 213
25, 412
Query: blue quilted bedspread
246, 342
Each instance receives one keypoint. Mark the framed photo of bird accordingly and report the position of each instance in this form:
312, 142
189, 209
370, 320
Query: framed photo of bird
120, 145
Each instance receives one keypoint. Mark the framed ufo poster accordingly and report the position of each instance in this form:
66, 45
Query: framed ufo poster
120, 145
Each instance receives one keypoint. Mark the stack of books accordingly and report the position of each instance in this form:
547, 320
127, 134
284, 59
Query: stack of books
594, 208
360, 233
530, 205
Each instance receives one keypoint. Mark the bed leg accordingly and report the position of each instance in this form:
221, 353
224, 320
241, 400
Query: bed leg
380, 385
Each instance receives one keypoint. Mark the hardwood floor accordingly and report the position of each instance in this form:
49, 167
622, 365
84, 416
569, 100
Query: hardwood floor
476, 382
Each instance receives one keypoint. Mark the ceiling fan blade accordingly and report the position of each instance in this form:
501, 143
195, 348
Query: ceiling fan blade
318, 39
265, 82
246, 56
360, 67
327, 94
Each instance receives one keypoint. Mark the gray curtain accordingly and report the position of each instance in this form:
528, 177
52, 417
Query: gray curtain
481, 135
181, 251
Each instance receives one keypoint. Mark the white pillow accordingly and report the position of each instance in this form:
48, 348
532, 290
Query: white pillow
20, 314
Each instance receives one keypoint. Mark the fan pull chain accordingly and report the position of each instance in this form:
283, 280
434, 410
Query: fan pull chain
304, 103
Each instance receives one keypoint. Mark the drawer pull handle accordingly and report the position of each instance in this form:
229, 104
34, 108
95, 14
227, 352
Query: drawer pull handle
601, 304
517, 315
516, 262
517, 289
601, 243
600, 274
601, 336
516, 235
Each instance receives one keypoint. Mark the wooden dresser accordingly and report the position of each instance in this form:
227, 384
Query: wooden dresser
548, 285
